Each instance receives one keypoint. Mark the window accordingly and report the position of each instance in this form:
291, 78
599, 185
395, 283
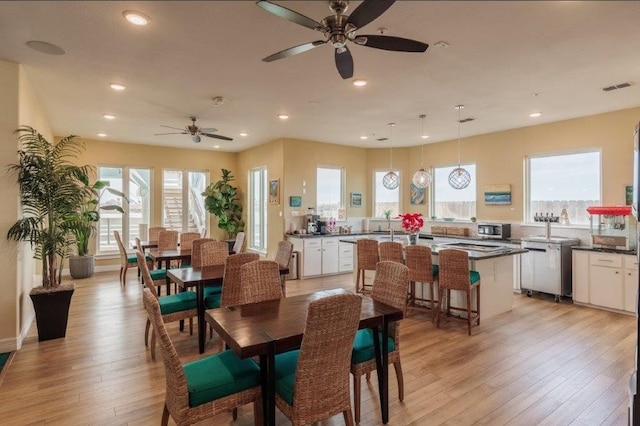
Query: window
136, 183
257, 203
558, 181
449, 202
184, 188
329, 191
383, 198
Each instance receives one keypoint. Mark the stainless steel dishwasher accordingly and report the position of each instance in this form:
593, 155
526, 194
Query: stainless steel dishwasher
546, 267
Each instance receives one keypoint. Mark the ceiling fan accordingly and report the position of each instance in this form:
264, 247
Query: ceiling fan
195, 132
339, 28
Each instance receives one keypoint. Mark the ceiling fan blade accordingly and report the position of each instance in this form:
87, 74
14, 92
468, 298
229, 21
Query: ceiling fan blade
344, 63
290, 15
224, 138
396, 44
174, 133
174, 128
208, 130
368, 11
294, 50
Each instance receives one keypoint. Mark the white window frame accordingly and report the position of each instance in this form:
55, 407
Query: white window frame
341, 201
435, 182
185, 197
262, 193
374, 186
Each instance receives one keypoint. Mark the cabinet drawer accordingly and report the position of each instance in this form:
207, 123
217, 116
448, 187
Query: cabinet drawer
346, 250
314, 243
330, 242
346, 265
630, 262
603, 259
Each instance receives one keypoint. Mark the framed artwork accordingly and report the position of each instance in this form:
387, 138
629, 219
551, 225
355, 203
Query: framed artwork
628, 195
417, 195
497, 194
356, 199
274, 191
295, 201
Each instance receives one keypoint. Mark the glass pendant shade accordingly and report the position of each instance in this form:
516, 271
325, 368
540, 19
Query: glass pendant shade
421, 178
459, 178
390, 180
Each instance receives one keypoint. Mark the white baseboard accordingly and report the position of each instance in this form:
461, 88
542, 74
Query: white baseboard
14, 343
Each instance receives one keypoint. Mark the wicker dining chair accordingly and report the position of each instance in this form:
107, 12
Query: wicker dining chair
196, 250
260, 281
391, 251
186, 243
390, 288
423, 271
283, 258
454, 274
174, 307
240, 245
154, 231
312, 383
367, 259
204, 388
126, 260
213, 253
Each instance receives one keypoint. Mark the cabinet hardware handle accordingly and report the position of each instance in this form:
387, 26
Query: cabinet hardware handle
604, 260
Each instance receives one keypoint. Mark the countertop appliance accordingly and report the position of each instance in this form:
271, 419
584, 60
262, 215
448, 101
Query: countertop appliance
546, 267
499, 231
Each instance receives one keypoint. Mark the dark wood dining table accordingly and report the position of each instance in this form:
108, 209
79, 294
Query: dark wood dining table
267, 328
145, 245
200, 278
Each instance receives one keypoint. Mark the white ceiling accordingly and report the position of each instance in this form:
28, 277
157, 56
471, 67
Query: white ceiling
501, 54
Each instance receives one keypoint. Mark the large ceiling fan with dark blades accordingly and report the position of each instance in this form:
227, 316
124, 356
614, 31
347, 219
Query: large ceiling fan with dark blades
195, 132
339, 28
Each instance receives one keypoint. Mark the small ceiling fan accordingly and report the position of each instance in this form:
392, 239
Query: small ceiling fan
340, 28
195, 132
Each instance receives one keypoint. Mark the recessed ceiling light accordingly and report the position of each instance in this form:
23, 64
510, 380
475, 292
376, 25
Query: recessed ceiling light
44, 47
216, 146
535, 114
102, 135
136, 18
243, 134
364, 138
359, 82
425, 136
118, 87
109, 116
283, 116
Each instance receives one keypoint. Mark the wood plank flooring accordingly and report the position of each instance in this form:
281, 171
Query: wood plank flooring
541, 364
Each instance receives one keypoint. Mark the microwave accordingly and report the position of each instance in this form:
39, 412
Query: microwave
494, 230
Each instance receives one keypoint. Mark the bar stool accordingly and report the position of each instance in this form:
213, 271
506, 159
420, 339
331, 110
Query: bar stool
421, 270
391, 251
454, 274
367, 257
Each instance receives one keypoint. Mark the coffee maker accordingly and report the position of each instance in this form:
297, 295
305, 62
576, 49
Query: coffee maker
311, 221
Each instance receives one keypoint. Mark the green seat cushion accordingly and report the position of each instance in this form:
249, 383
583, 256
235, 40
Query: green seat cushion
219, 375
286, 365
213, 289
212, 301
132, 259
182, 301
185, 264
158, 274
435, 269
474, 276
363, 349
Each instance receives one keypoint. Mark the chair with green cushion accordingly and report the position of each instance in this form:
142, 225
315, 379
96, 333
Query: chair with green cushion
186, 243
389, 287
423, 271
455, 274
126, 261
204, 388
174, 307
312, 383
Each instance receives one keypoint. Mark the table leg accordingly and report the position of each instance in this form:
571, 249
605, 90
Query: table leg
268, 375
167, 262
202, 333
382, 367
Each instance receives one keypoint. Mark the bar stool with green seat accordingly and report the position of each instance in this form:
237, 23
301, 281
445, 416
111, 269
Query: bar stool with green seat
423, 271
454, 274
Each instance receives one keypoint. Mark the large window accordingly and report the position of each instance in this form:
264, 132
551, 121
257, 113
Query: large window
383, 198
257, 202
136, 183
558, 181
182, 188
329, 195
453, 203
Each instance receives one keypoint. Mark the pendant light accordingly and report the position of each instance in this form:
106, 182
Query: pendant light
459, 178
422, 178
391, 179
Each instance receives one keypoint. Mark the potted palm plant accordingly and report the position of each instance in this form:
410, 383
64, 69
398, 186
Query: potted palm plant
51, 189
83, 225
222, 200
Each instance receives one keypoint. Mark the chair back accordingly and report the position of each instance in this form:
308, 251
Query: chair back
418, 260
454, 269
196, 257
367, 254
168, 240
390, 287
121, 249
177, 399
187, 238
391, 251
322, 374
260, 281
212, 253
146, 275
241, 243
154, 232
232, 280
283, 255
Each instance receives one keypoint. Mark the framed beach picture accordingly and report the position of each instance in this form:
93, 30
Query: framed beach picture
356, 199
274, 191
417, 195
497, 194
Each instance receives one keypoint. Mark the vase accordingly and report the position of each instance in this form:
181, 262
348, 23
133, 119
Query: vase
413, 239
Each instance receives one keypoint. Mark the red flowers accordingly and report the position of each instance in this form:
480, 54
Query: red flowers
412, 222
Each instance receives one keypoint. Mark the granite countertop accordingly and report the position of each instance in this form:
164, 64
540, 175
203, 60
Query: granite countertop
604, 250
495, 240
372, 233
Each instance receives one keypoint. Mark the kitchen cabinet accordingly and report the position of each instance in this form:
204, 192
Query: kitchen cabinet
580, 279
312, 257
630, 282
321, 256
330, 255
345, 253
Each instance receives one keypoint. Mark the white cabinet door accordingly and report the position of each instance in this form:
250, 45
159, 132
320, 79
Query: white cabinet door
580, 280
330, 256
312, 263
606, 286
346, 257
630, 283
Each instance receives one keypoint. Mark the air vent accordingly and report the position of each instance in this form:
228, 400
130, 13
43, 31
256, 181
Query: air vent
464, 120
618, 86
382, 139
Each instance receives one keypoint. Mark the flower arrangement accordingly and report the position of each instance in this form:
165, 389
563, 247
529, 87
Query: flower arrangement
412, 222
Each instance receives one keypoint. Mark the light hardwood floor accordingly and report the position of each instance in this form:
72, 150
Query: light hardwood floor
542, 363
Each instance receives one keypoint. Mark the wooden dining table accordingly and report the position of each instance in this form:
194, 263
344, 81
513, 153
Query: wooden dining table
200, 278
267, 328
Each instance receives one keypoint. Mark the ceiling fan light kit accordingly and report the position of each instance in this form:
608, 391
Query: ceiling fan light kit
422, 178
195, 132
459, 178
339, 29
